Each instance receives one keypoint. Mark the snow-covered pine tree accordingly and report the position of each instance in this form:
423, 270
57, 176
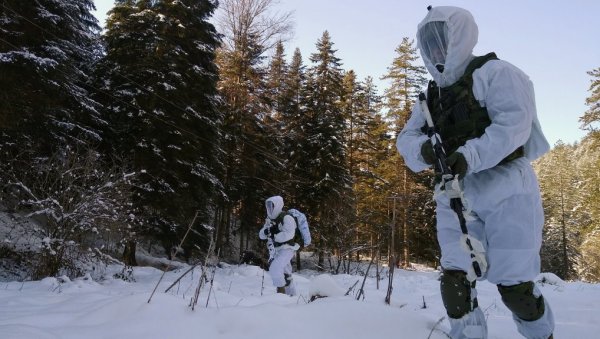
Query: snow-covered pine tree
158, 82
276, 81
587, 157
49, 124
253, 167
564, 221
588, 163
284, 83
293, 132
46, 49
324, 162
591, 118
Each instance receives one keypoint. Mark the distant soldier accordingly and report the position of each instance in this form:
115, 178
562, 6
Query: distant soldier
279, 231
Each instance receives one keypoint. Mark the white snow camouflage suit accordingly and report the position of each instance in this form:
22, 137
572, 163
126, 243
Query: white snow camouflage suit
280, 264
505, 199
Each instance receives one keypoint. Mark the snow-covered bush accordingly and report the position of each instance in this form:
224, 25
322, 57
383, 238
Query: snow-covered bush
75, 204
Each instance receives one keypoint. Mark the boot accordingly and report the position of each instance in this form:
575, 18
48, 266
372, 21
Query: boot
281, 289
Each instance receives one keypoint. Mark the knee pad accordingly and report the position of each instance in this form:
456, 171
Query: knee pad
522, 302
456, 293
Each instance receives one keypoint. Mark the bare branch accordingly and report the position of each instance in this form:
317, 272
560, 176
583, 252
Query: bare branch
245, 21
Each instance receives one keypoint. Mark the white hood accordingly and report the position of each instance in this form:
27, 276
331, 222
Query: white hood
462, 37
274, 206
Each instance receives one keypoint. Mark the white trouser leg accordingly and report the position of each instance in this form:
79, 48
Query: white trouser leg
290, 289
508, 220
281, 264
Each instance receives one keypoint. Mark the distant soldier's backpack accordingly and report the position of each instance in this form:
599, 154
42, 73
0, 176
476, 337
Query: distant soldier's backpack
302, 224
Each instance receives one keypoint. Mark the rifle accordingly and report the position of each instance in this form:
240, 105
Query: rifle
453, 189
270, 241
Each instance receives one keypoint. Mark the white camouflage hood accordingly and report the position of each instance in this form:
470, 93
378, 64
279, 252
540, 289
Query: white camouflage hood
462, 36
274, 206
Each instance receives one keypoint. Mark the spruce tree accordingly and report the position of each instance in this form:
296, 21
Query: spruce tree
406, 81
559, 184
49, 128
286, 87
367, 144
252, 163
591, 117
158, 82
288, 128
276, 81
47, 48
325, 155
588, 162
294, 133
295, 82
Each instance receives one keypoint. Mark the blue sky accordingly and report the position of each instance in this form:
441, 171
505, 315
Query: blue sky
554, 42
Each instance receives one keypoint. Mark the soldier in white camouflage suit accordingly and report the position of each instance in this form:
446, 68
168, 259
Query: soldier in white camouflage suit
484, 110
279, 231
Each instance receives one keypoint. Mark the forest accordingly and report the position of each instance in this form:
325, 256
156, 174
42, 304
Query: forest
165, 132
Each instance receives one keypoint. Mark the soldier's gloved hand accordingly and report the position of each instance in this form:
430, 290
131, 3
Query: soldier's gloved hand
458, 164
273, 230
427, 152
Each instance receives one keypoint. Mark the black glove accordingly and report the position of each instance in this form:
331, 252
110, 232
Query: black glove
427, 152
271, 231
458, 164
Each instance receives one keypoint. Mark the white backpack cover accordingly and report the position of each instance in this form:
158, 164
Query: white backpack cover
302, 225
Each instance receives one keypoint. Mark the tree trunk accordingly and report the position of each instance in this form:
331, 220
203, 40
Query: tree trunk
129, 253
321, 260
298, 265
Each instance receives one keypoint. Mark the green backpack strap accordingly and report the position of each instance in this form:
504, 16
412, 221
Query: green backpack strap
478, 62
474, 65
279, 219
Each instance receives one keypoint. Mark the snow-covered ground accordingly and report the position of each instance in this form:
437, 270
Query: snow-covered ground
239, 308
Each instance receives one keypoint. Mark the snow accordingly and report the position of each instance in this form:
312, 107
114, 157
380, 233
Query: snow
13, 56
239, 307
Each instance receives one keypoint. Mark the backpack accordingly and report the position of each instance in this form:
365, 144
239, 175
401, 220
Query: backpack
301, 225
302, 231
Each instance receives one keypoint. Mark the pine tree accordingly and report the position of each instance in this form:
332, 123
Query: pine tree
352, 95
559, 183
367, 144
276, 81
325, 157
587, 158
158, 82
295, 82
406, 79
591, 117
50, 127
290, 129
47, 47
252, 146
588, 162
